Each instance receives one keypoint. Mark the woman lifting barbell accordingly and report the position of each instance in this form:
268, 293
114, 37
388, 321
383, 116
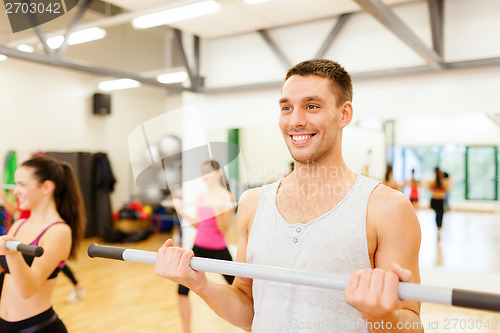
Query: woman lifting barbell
49, 189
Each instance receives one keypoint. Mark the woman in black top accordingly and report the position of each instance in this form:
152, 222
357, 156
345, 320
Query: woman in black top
49, 189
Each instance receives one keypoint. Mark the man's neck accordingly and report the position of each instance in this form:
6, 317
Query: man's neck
322, 173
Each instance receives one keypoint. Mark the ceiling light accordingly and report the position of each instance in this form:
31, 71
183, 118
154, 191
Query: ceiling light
118, 84
77, 37
55, 42
176, 14
253, 2
86, 35
172, 77
26, 48
2, 57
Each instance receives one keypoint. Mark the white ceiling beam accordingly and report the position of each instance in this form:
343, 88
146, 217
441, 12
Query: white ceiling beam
495, 118
74, 23
182, 52
485, 62
36, 25
85, 67
78, 65
436, 14
109, 21
276, 50
331, 36
368, 74
391, 21
43, 39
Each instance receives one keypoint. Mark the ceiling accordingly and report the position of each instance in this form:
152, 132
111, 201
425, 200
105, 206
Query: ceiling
237, 17
234, 17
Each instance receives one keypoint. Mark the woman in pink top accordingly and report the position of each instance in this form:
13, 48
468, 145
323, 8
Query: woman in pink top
214, 212
49, 189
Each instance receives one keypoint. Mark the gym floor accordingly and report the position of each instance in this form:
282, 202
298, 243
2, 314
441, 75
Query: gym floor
129, 297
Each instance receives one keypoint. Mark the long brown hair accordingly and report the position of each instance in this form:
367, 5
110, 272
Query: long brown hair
67, 194
388, 172
439, 179
216, 166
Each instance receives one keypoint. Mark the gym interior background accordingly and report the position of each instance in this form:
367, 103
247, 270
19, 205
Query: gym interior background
425, 73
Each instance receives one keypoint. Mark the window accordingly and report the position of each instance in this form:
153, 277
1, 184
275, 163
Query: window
474, 169
481, 173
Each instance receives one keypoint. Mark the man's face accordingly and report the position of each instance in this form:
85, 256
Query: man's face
309, 117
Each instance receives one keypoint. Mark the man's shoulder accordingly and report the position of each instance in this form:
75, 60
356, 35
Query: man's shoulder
383, 193
247, 206
387, 205
248, 202
385, 202
250, 196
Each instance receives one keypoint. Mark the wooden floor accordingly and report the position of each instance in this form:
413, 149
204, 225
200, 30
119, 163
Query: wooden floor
468, 257
128, 297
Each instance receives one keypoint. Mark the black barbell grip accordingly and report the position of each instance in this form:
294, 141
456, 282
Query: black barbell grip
105, 251
36, 251
475, 299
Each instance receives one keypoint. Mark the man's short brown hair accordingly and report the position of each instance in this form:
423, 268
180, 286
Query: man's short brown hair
329, 69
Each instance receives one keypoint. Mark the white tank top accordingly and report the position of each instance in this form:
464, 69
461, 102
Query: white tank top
335, 242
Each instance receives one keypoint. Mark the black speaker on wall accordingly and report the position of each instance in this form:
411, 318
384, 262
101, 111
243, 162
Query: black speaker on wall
102, 104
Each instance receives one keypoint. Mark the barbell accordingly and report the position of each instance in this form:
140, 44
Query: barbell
170, 203
406, 291
36, 251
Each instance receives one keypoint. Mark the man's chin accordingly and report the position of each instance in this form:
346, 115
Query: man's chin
303, 158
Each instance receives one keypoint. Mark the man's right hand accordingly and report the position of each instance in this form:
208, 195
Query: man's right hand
173, 263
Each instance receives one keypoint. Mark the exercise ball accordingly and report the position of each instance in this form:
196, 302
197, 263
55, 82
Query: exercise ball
169, 145
152, 196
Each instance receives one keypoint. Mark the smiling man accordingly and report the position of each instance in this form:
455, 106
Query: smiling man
321, 217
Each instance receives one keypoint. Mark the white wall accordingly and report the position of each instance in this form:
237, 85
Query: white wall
50, 109
467, 91
461, 129
266, 157
429, 108
364, 151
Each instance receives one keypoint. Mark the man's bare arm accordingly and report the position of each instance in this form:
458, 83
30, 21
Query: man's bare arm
394, 230
233, 303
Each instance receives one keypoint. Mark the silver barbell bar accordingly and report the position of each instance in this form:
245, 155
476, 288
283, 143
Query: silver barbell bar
170, 203
406, 291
